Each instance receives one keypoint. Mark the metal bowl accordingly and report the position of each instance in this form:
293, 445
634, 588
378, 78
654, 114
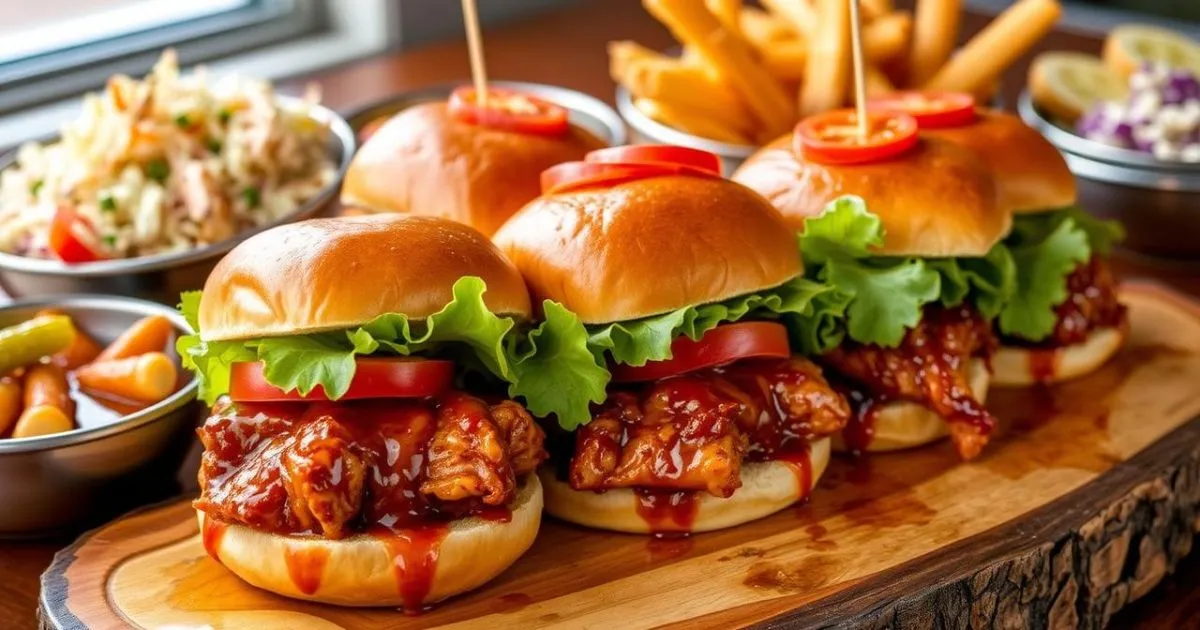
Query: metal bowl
584, 111
648, 130
163, 276
64, 481
1154, 199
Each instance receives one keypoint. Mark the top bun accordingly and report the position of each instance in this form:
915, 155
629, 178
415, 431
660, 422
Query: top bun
329, 274
650, 246
1031, 175
424, 161
936, 200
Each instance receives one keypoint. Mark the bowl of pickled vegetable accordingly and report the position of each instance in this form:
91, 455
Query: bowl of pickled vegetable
95, 409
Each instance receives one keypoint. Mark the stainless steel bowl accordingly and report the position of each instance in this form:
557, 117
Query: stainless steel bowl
650, 131
1157, 201
584, 111
162, 277
67, 480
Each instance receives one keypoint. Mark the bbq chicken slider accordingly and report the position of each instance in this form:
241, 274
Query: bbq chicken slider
689, 287
907, 229
1064, 318
349, 457
463, 160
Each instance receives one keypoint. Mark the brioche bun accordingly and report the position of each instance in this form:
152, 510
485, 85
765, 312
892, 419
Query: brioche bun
329, 274
649, 246
1031, 175
767, 487
360, 570
936, 200
424, 161
903, 424
1018, 366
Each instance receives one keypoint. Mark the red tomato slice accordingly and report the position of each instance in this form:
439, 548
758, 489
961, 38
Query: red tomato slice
933, 110
832, 137
576, 175
509, 110
373, 378
73, 238
724, 344
658, 154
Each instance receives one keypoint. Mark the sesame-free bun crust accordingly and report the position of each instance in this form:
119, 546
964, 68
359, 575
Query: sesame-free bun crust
649, 246
1031, 175
767, 487
423, 161
935, 200
902, 424
360, 571
1014, 363
329, 274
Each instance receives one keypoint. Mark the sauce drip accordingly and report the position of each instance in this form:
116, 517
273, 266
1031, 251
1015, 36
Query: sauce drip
1043, 363
305, 566
414, 557
665, 512
864, 411
211, 535
800, 461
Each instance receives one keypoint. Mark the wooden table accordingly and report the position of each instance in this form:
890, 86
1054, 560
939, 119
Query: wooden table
577, 38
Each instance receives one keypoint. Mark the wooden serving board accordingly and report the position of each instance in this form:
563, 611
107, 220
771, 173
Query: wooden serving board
1089, 497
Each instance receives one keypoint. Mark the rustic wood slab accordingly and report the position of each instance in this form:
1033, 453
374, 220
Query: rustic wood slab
1088, 499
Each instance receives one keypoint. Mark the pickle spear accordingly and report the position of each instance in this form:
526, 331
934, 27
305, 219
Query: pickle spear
27, 342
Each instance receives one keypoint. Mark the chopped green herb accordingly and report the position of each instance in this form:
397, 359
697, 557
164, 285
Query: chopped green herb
252, 196
157, 170
213, 145
224, 115
107, 203
110, 240
36, 187
183, 121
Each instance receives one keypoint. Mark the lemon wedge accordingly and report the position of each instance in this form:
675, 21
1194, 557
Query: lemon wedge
1130, 45
1066, 84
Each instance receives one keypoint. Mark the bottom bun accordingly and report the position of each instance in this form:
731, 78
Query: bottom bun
364, 570
767, 487
1017, 366
904, 424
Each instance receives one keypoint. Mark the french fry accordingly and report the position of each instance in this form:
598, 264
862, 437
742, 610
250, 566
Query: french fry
10, 403
800, 14
876, 82
935, 33
729, 12
887, 38
42, 420
83, 348
761, 28
692, 23
688, 122
690, 87
875, 9
46, 386
622, 55
996, 47
785, 59
148, 334
827, 73
145, 378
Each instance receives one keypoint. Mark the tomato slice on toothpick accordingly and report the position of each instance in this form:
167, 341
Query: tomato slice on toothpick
509, 110
833, 137
658, 154
933, 110
722, 345
374, 377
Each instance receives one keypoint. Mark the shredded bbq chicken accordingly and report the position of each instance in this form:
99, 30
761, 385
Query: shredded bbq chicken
1091, 303
333, 469
930, 367
692, 432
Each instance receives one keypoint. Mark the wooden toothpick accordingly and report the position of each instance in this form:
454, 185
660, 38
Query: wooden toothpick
860, 89
475, 46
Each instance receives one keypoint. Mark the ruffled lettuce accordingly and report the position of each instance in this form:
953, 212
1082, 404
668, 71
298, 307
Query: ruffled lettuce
1046, 248
549, 366
885, 295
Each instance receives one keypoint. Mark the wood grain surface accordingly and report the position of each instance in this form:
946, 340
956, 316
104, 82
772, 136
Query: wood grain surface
1084, 503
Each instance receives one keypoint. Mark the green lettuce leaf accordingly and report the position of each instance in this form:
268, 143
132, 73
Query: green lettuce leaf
549, 366
1046, 247
795, 303
885, 295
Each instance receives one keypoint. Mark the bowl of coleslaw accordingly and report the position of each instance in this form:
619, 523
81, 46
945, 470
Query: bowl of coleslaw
160, 177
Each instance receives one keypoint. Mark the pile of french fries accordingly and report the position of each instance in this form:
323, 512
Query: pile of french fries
747, 75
